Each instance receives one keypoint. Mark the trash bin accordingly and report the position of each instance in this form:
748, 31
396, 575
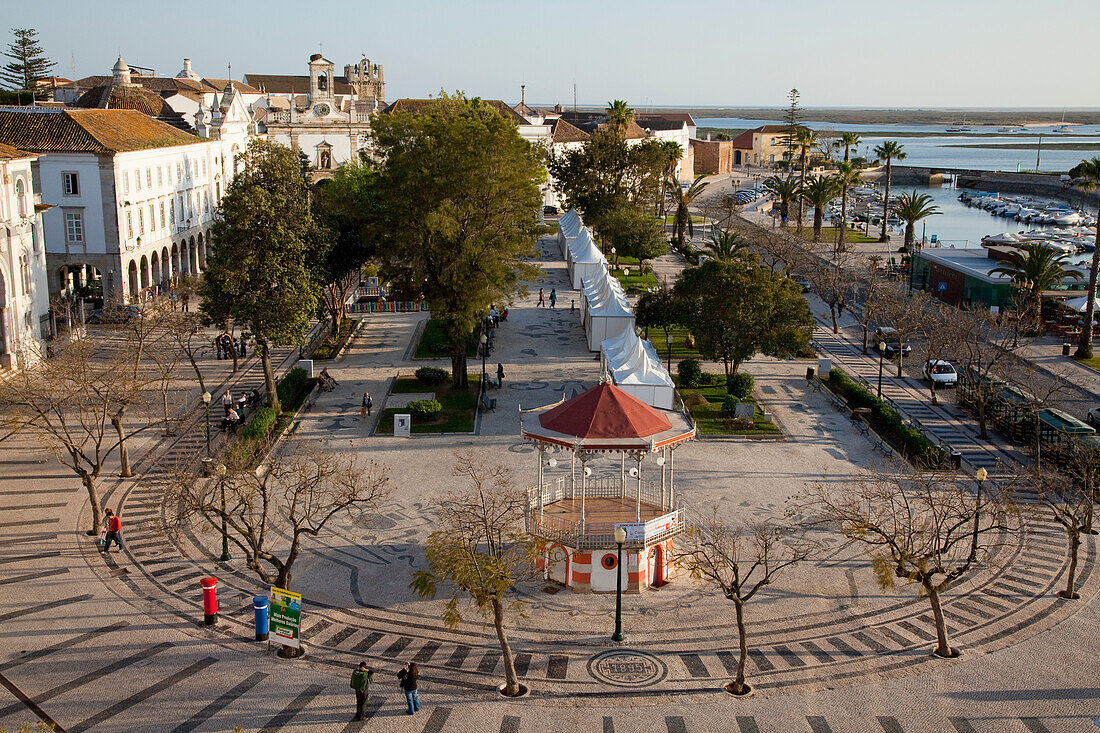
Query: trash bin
956, 460
809, 373
260, 605
1065, 349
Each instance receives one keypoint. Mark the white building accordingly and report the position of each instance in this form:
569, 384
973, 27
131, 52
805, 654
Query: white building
133, 198
24, 301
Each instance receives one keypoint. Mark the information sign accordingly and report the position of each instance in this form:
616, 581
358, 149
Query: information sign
286, 616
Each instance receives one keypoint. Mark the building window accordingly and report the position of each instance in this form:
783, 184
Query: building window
25, 273
204, 167
125, 181
72, 184
137, 180
162, 222
148, 177
179, 172
74, 226
172, 211
21, 197
152, 218
160, 176
129, 224
141, 221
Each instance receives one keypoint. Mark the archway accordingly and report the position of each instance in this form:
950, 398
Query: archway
133, 280
185, 259
201, 253
155, 265
192, 258
175, 260
557, 564
144, 272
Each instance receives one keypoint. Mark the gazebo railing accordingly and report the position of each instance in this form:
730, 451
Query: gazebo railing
595, 535
605, 487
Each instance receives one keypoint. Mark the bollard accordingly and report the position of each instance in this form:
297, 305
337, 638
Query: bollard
259, 604
1066, 348
956, 460
210, 600
809, 373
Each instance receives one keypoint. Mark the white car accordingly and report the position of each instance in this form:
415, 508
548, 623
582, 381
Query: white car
1093, 418
941, 372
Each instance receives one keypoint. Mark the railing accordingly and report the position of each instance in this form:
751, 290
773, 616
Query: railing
388, 306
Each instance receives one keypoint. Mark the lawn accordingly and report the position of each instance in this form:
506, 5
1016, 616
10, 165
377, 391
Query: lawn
1093, 363
434, 345
635, 282
458, 407
671, 219
708, 417
828, 234
680, 349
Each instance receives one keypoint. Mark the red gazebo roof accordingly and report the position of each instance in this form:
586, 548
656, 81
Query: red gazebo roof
606, 412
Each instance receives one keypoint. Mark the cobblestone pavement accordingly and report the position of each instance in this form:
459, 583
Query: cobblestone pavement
118, 645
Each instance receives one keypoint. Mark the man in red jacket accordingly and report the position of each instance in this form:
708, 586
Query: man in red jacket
114, 531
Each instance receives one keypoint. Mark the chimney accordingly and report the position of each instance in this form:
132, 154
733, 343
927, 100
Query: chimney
187, 67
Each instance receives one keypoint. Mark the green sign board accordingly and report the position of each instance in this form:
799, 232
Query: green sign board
286, 616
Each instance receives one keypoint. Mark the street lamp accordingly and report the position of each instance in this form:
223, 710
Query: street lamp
225, 535
881, 353
620, 538
614, 259
981, 474
668, 344
484, 341
206, 401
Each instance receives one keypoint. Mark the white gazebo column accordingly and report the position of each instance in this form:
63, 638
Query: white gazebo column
584, 487
542, 459
573, 475
665, 504
639, 457
622, 475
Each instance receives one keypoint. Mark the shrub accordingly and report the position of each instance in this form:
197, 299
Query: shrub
432, 376
689, 372
425, 409
260, 424
738, 423
695, 400
289, 386
740, 385
706, 379
729, 407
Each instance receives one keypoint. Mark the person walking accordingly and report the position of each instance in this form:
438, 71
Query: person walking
368, 403
227, 402
185, 299
114, 531
500, 375
542, 299
407, 677
572, 306
553, 297
360, 681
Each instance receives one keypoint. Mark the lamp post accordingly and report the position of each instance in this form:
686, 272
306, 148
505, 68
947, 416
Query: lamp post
881, 353
620, 538
225, 534
484, 341
206, 401
668, 344
614, 259
981, 475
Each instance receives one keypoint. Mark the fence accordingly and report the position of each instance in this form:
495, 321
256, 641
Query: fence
388, 306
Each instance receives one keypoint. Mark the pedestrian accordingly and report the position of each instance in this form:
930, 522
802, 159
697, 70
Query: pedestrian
243, 351
114, 531
360, 681
218, 346
368, 403
542, 299
572, 306
184, 300
553, 297
172, 299
500, 375
227, 402
407, 677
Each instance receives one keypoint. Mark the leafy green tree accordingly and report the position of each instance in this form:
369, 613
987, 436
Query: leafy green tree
619, 116
783, 189
1034, 268
657, 309
725, 245
632, 233
480, 551
28, 61
457, 196
818, 193
738, 309
846, 177
683, 198
849, 140
1087, 175
913, 207
257, 270
889, 151
804, 139
791, 118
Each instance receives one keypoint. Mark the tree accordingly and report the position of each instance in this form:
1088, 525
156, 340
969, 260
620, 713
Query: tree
740, 560
783, 189
849, 140
819, 192
894, 307
833, 279
256, 271
738, 309
725, 245
888, 151
846, 177
985, 347
1087, 175
269, 511
480, 551
619, 116
791, 118
1034, 268
28, 61
683, 199
457, 202
805, 139
633, 233
657, 309
923, 528
911, 208
1069, 496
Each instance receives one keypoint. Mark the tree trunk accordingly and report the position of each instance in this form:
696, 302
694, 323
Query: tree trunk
123, 452
981, 420
832, 312
93, 498
910, 234
864, 338
743, 643
1084, 349
1071, 573
943, 648
886, 205
901, 356
511, 679
269, 374
459, 379
817, 223
843, 219
932, 390
164, 406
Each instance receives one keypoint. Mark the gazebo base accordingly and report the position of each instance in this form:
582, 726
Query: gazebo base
593, 570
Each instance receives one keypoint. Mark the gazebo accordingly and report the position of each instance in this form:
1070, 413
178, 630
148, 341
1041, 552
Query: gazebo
576, 514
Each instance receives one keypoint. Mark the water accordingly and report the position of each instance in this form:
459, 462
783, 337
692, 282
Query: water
936, 150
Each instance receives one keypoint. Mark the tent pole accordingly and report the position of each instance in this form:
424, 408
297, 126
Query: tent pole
671, 474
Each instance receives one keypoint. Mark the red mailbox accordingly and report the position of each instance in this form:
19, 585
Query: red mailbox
210, 600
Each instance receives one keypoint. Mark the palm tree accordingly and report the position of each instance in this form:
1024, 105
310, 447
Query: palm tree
912, 208
1036, 267
1087, 173
684, 198
819, 192
804, 140
619, 116
783, 189
725, 245
849, 140
889, 151
672, 153
846, 177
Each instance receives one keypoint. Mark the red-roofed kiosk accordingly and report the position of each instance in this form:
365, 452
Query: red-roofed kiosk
578, 518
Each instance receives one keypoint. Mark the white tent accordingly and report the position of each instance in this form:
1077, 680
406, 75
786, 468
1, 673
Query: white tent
569, 227
636, 368
584, 259
607, 312
1077, 304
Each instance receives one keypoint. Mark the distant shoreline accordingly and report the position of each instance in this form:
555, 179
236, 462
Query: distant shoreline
870, 116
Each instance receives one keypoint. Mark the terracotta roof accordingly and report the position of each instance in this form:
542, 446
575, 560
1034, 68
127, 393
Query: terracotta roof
563, 132
416, 106
772, 129
527, 110
670, 116
290, 84
633, 130
744, 140
42, 130
7, 152
218, 85
605, 411
660, 124
118, 96
163, 85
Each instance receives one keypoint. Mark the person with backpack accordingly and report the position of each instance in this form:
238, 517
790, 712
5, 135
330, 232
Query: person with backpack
360, 681
553, 297
407, 677
114, 531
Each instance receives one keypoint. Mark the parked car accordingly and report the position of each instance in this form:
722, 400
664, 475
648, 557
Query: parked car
941, 372
804, 284
115, 314
550, 210
1093, 417
889, 336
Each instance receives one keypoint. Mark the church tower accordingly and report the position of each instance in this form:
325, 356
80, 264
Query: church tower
321, 79
370, 88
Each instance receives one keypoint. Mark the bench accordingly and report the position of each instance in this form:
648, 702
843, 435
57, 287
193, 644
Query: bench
883, 448
488, 404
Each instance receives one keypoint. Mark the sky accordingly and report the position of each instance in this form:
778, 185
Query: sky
838, 53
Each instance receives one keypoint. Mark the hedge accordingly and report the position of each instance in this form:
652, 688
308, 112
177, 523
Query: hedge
689, 372
260, 424
432, 376
887, 422
289, 386
425, 409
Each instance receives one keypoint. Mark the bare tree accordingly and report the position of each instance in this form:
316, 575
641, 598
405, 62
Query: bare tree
937, 334
833, 279
895, 307
740, 559
868, 283
924, 528
296, 496
185, 331
1070, 498
775, 248
984, 347
480, 550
